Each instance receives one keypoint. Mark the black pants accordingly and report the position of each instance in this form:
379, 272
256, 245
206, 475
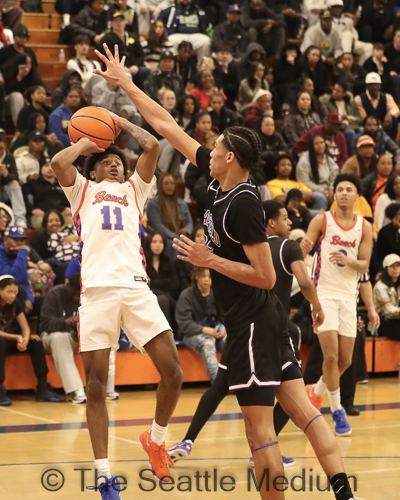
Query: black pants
349, 378
390, 328
36, 352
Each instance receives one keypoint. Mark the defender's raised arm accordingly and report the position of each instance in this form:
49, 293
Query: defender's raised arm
152, 112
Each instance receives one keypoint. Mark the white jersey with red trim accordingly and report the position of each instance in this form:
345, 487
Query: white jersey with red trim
335, 280
107, 216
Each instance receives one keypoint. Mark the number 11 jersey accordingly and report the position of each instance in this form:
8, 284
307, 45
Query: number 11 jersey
107, 217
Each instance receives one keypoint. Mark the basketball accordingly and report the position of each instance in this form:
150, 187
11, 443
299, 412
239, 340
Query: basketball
95, 124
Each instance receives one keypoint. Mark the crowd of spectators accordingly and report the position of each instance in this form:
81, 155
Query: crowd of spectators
318, 81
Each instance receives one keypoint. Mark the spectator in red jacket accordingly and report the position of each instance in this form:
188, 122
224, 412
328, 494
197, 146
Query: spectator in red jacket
261, 106
330, 131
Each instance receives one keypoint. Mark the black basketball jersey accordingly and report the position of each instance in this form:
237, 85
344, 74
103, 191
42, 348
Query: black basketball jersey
284, 252
232, 219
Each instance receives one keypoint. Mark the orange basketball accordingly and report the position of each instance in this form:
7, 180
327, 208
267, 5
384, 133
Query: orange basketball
95, 124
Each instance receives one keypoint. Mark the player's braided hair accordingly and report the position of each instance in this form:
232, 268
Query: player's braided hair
96, 157
245, 144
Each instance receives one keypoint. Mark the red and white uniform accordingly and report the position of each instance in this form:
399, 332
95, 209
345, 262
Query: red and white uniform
115, 290
337, 284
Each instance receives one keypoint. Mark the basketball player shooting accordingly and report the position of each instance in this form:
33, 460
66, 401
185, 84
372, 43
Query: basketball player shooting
239, 257
107, 208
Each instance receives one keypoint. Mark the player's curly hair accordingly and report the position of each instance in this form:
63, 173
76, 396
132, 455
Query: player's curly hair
245, 145
353, 178
91, 161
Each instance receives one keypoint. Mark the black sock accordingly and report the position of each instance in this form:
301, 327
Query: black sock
208, 404
341, 487
281, 418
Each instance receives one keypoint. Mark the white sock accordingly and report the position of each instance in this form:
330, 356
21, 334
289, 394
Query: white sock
320, 388
103, 470
158, 433
334, 400
80, 392
66, 19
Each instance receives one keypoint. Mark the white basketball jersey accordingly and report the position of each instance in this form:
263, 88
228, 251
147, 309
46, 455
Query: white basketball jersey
107, 217
334, 280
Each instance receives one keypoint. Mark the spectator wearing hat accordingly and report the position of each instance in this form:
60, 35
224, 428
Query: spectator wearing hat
130, 15
376, 21
325, 36
21, 38
376, 103
387, 297
10, 188
298, 213
343, 103
128, 46
391, 195
378, 63
231, 32
365, 159
164, 76
312, 9
14, 256
264, 27
44, 194
31, 158
383, 143
334, 139
261, 106
345, 27
186, 21
283, 183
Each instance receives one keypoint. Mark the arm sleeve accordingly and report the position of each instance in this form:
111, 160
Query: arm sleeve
203, 161
245, 220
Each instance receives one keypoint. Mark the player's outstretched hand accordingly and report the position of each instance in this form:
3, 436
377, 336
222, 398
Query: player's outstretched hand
88, 147
115, 68
318, 317
196, 254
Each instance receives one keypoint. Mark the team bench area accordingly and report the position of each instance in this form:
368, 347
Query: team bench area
132, 368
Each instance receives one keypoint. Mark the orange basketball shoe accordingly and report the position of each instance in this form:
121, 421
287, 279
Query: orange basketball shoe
315, 400
158, 457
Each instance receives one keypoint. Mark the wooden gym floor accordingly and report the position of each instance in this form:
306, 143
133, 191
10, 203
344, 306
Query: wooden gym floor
38, 437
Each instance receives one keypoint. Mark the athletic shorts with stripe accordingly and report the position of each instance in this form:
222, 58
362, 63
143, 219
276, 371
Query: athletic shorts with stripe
254, 354
105, 310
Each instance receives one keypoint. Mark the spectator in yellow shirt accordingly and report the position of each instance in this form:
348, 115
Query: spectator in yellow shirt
280, 186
